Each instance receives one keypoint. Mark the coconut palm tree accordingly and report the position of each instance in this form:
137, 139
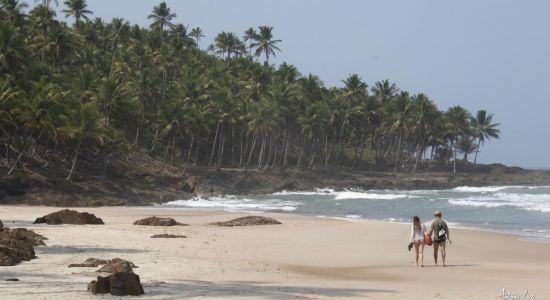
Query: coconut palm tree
197, 34
162, 17
249, 36
458, 126
484, 129
385, 90
77, 9
264, 43
227, 43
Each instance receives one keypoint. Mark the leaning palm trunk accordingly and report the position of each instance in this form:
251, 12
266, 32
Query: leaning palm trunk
73, 167
477, 151
214, 145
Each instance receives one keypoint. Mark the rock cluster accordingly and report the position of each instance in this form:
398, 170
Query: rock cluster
67, 216
249, 221
122, 282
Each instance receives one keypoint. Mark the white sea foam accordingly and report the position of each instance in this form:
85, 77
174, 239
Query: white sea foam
369, 195
532, 202
471, 189
306, 193
236, 204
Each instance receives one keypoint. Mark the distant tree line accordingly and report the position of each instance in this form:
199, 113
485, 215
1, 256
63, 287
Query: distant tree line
119, 88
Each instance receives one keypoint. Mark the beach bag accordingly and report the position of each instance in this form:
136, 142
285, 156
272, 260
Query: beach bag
428, 239
440, 232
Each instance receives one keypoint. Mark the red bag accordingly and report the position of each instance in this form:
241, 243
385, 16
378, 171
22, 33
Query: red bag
428, 239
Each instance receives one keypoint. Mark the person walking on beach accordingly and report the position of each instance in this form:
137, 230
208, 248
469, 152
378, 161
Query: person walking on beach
417, 239
441, 234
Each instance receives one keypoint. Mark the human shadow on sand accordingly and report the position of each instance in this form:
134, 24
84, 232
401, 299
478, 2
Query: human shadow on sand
254, 289
83, 249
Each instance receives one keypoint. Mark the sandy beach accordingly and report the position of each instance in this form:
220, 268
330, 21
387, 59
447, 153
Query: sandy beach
304, 258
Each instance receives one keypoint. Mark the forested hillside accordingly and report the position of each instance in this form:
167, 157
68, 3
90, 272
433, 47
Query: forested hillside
100, 90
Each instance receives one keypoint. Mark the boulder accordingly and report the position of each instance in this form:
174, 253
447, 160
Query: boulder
249, 221
1, 225
117, 265
90, 263
155, 221
118, 284
14, 251
16, 245
23, 234
168, 236
125, 283
67, 216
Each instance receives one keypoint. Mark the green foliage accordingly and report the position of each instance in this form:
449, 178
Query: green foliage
112, 88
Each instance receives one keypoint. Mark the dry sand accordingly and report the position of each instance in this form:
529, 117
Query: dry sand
305, 258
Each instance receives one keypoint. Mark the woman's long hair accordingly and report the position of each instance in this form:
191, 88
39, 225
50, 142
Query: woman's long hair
416, 223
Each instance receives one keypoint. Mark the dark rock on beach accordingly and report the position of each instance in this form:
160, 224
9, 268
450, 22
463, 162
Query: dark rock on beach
168, 236
118, 265
249, 221
22, 234
17, 245
67, 216
155, 221
118, 284
125, 283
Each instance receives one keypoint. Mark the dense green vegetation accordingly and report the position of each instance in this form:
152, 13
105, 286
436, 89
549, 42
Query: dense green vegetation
117, 88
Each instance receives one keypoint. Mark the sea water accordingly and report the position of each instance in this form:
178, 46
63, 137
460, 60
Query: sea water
522, 210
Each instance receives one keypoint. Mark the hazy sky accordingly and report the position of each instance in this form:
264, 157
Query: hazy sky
491, 55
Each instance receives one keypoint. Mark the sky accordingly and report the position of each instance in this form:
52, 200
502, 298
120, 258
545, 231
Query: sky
490, 54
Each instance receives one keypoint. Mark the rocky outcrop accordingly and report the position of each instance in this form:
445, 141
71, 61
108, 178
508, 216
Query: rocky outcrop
168, 236
117, 284
22, 234
155, 221
69, 217
117, 265
249, 221
17, 245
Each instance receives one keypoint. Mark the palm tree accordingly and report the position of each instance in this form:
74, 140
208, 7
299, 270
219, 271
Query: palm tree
458, 126
197, 34
249, 36
385, 90
161, 17
264, 43
77, 9
227, 42
484, 129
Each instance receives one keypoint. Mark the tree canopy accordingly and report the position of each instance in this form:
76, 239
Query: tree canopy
117, 88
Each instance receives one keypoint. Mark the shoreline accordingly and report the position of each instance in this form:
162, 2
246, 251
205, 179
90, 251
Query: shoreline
305, 257
520, 236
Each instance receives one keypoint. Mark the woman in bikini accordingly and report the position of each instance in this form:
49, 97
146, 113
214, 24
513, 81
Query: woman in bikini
417, 238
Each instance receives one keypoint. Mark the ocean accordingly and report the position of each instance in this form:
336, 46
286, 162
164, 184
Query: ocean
521, 210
